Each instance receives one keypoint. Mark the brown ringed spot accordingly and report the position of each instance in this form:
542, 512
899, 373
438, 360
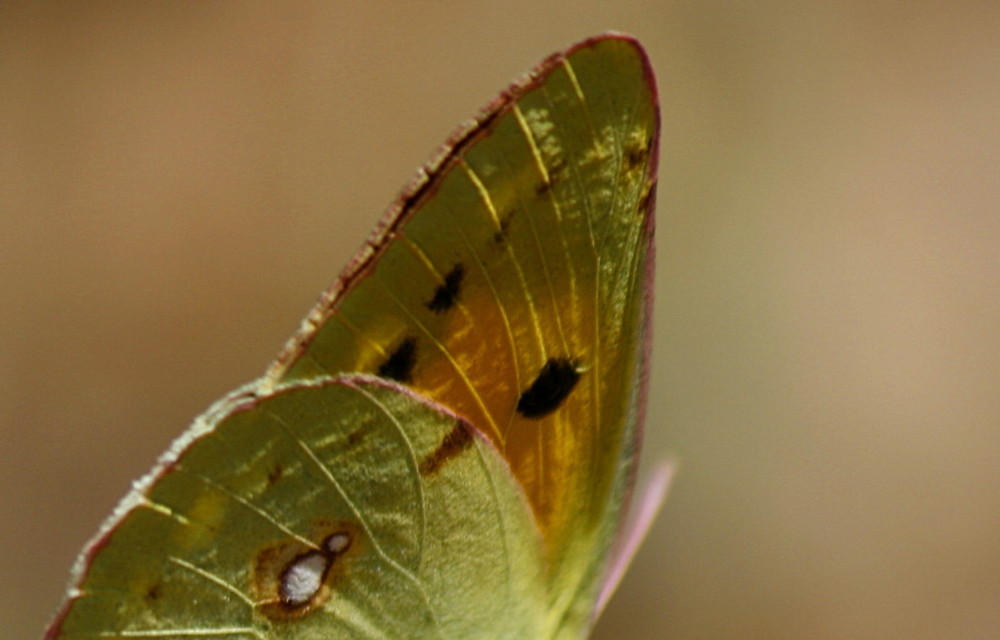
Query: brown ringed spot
291, 579
302, 579
455, 442
338, 542
550, 388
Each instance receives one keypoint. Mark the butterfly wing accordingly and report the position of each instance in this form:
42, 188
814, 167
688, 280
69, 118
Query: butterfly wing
510, 283
344, 508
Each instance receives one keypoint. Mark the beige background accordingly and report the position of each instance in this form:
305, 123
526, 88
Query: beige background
178, 180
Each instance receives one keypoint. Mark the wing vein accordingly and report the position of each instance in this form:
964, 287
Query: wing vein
365, 525
211, 577
414, 464
447, 354
248, 505
525, 129
588, 213
508, 329
529, 301
432, 269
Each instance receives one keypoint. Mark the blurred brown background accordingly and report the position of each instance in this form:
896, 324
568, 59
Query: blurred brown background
179, 180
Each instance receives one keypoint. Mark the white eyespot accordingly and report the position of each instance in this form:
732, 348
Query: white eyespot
338, 542
303, 578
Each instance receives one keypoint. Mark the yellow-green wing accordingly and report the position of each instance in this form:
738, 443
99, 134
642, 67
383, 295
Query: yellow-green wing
509, 283
343, 508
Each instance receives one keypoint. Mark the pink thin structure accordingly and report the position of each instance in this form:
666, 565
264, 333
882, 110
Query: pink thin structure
651, 498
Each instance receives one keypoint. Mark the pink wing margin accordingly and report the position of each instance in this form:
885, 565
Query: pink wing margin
651, 497
654, 489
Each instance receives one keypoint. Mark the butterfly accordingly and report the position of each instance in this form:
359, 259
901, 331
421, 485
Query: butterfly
447, 446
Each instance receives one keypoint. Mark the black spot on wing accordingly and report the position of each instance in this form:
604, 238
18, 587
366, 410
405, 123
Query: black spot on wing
399, 365
554, 383
447, 294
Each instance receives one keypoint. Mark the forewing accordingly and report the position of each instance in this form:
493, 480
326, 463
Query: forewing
509, 283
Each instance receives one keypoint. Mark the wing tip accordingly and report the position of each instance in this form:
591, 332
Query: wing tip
425, 180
